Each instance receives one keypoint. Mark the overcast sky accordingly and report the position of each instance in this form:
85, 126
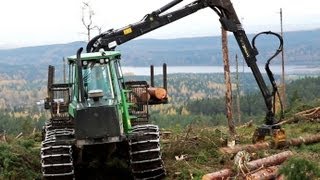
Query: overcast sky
34, 22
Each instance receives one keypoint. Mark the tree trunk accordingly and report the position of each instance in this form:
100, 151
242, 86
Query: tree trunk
304, 140
248, 148
222, 174
158, 93
227, 78
269, 161
273, 160
238, 91
265, 145
264, 174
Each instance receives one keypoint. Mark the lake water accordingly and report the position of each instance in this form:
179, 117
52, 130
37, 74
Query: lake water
298, 69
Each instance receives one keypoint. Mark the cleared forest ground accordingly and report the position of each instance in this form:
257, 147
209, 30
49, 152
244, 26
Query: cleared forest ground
193, 152
188, 153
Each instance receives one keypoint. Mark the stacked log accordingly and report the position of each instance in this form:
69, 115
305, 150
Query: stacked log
144, 97
158, 93
268, 167
140, 95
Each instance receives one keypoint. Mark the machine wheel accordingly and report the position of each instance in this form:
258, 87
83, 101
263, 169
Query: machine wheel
145, 154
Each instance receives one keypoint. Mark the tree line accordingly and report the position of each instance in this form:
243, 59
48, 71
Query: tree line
301, 94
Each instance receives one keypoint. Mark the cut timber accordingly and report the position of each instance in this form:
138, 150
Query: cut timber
265, 145
144, 97
304, 140
264, 174
271, 161
222, 174
158, 93
249, 148
139, 95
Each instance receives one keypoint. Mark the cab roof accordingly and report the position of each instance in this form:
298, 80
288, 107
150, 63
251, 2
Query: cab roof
96, 55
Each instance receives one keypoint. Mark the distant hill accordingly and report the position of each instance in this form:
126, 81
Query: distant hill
301, 47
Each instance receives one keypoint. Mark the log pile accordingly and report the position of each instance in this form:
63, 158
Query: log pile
265, 168
141, 95
268, 167
158, 93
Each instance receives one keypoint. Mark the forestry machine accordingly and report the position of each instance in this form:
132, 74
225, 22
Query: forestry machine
98, 117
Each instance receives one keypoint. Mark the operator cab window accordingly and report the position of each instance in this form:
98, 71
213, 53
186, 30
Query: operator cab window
97, 80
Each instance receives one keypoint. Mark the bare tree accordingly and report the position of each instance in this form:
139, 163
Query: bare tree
238, 91
225, 54
87, 15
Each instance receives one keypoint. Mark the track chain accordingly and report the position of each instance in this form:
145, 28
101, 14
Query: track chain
145, 154
56, 152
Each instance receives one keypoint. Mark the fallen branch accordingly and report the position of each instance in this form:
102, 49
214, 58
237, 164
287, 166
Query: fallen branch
310, 114
19, 135
247, 124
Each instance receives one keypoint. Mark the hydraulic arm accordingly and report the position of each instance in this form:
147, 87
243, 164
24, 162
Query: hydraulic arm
229, 21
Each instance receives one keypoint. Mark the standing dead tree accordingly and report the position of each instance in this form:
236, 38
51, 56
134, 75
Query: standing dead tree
227, 78
87, 15
238, 91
